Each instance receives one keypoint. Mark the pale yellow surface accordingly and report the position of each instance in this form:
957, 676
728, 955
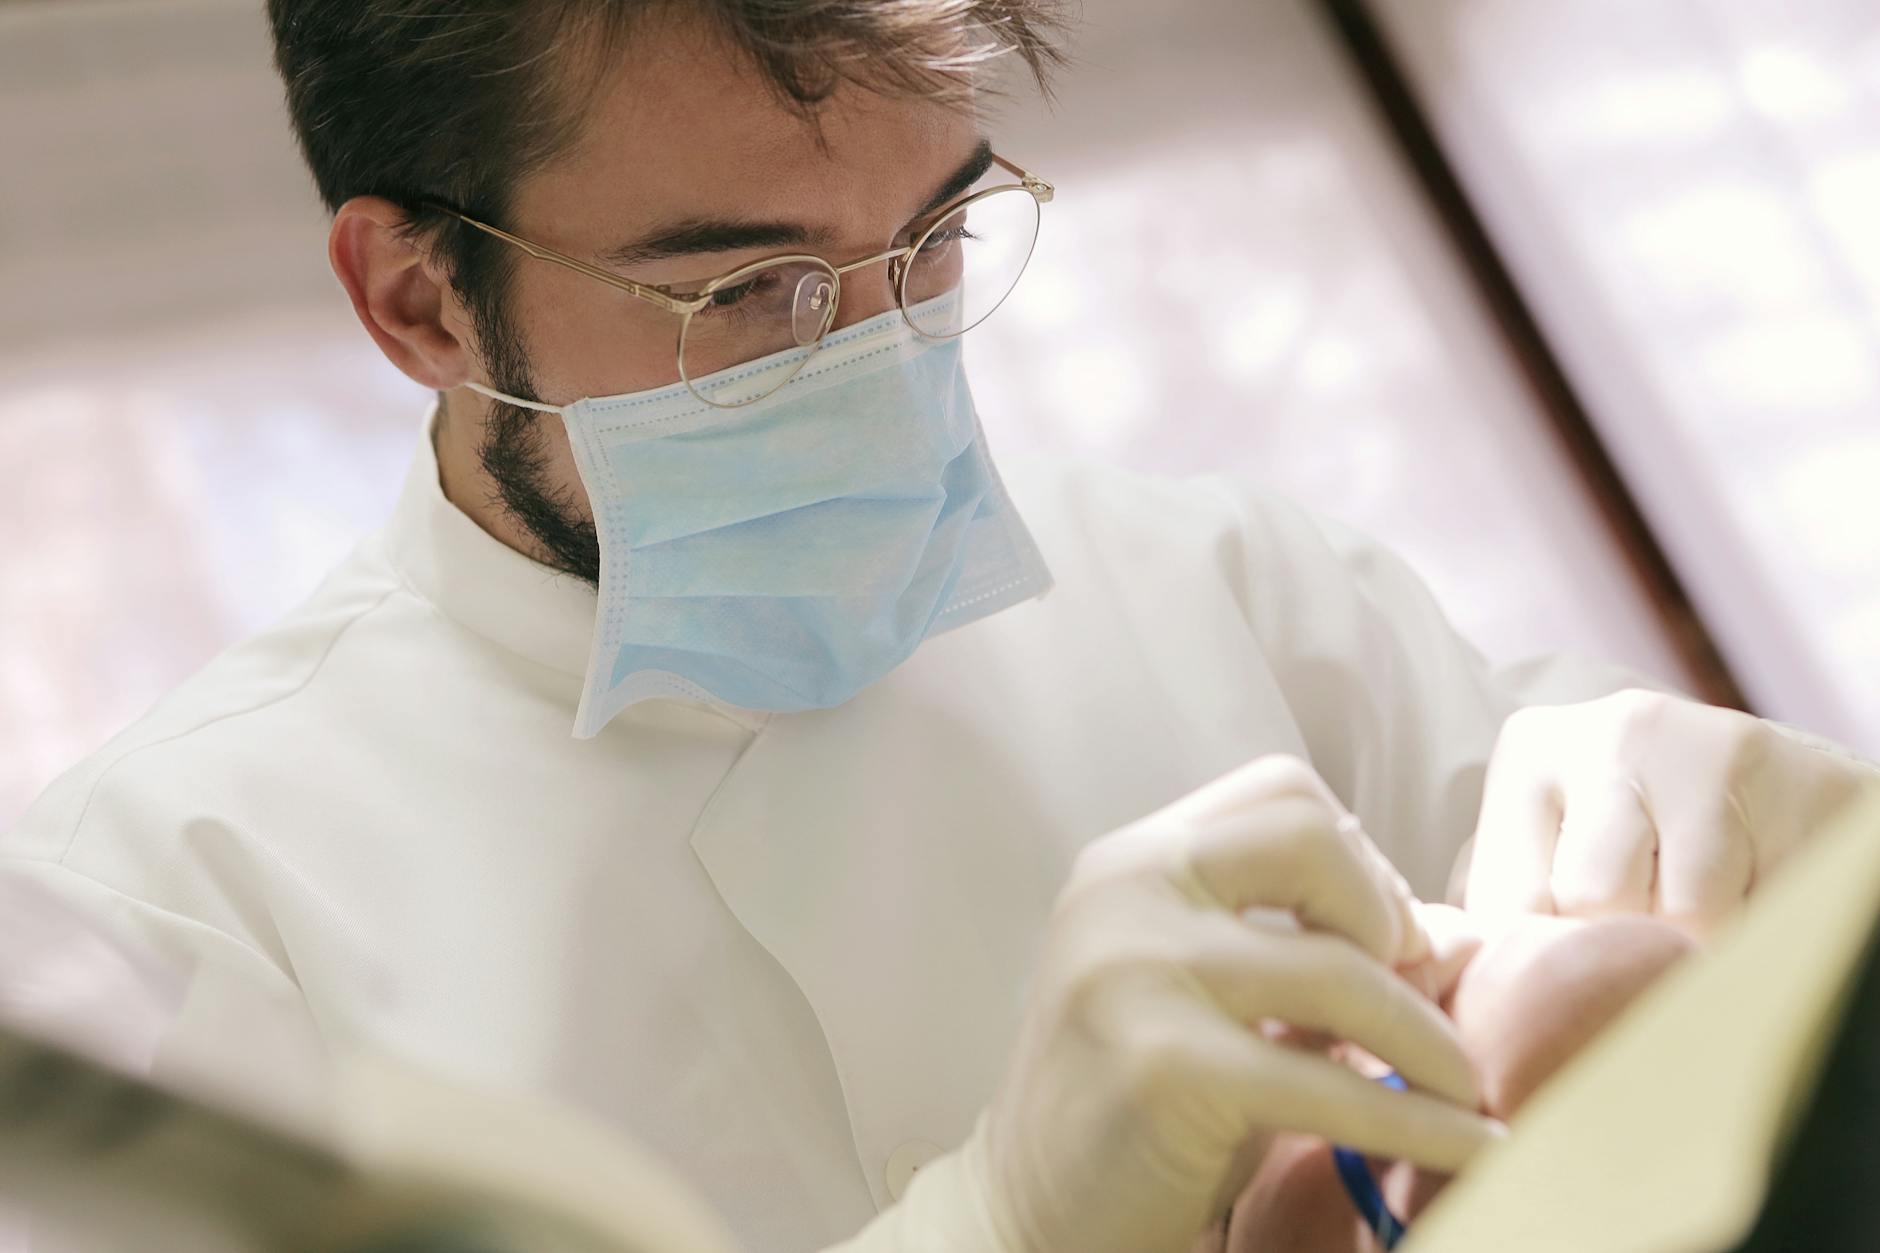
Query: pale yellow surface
1661, 1136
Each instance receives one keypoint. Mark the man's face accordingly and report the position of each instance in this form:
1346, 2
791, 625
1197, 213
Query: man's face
689, 166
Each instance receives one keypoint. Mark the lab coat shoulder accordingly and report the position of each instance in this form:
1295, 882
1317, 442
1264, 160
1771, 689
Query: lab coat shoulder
251, 675
1394, 707
175, 812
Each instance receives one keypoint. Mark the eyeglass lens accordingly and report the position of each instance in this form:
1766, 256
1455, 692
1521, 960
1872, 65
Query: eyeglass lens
774, 314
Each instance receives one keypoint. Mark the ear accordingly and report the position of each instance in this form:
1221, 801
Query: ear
404, 302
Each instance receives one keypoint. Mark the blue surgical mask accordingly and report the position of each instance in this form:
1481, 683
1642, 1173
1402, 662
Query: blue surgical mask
788, 553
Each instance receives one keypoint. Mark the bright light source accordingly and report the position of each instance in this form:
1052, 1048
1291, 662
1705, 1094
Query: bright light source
1734, 240
1789, 85
1785, 365
1673, 106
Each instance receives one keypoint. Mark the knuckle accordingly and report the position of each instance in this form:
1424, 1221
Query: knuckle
1074, 899
1637, 698
1288, 775
1526, 722
1638, 709
1297, 838
1085, 991
1089, 864
1521, 745
1747, 740
1093, 982
1155, 1059
1108, 858
1210, 952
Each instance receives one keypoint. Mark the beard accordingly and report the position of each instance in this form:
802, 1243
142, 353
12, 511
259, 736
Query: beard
515, 454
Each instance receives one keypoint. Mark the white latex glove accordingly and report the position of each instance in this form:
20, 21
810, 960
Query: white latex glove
1647, 803
1142, 1091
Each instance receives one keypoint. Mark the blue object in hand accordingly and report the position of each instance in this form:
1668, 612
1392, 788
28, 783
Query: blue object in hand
1361, 1185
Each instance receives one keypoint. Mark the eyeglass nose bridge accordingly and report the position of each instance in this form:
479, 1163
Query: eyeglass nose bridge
895, 257
897, 268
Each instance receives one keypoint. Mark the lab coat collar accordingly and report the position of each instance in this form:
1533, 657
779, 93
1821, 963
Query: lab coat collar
487, 587
481, 583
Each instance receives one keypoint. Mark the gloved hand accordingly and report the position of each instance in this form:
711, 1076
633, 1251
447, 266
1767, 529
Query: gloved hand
1645, 803
1143, 1089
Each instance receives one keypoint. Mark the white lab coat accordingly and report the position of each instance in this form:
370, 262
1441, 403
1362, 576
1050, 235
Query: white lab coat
790, 952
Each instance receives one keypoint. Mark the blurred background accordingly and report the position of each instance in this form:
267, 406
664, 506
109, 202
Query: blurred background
1574, 302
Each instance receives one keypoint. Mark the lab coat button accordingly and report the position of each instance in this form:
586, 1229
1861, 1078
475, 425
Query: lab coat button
904, 1161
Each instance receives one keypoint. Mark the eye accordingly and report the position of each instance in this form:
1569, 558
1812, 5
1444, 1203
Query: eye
941, 242
738, 293
948, 234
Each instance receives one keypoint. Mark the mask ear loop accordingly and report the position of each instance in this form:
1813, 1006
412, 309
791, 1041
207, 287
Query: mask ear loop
507, 399
1362, 1187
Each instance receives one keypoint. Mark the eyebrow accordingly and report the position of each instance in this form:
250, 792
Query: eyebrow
693, 236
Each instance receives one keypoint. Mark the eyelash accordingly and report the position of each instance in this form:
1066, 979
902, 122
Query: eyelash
955, 234
738, 294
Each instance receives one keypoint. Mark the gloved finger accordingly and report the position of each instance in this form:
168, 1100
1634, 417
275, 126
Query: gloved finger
1277, 812
1706, 861
1511, 869
1607, 851
1413, 942
1245, 788
1323, 983
1325, 1099
1455, 936
1284, 1089
1287, 853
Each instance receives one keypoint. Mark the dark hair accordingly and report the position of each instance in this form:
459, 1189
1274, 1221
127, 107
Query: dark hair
457, 100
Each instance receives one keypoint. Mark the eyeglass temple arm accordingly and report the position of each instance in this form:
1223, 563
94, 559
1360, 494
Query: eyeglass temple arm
660, 296
664, 297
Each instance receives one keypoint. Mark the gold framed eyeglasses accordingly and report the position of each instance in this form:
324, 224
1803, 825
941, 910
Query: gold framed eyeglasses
745, 334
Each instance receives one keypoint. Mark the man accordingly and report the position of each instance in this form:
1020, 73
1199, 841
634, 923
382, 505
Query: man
774, 906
